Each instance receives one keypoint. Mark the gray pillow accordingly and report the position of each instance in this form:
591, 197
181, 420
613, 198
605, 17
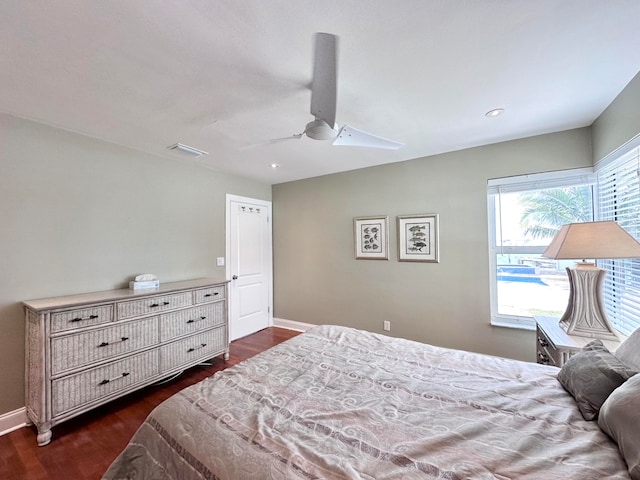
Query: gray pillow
591, 375
629, 351
620, 419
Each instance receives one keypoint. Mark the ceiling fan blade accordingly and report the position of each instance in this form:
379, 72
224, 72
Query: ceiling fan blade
273, 141
324, 83
352, 137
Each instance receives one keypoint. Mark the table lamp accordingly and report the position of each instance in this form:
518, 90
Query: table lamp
585, 315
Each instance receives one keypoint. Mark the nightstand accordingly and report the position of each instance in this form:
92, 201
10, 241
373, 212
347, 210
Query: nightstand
555, 347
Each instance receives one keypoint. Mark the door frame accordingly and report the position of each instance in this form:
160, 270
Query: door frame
264, 204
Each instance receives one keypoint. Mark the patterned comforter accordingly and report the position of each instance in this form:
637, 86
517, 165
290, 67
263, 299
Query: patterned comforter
339, 403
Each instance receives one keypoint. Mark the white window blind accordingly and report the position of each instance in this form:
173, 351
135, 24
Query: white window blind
618, 199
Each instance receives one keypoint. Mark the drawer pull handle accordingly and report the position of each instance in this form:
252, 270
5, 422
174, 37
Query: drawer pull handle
154, 305
80, 319
122, 339
543, 358
543, 342
210, 294
193, 320
192, 349
107, 380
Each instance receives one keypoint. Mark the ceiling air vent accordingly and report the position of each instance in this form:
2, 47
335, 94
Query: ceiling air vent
186, 149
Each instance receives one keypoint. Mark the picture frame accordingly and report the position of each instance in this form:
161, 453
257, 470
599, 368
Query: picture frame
371, 237
418, 238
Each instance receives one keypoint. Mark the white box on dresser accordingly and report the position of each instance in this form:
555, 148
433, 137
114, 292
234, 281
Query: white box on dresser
88, 349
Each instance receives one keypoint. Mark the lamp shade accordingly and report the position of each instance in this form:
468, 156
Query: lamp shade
592, 240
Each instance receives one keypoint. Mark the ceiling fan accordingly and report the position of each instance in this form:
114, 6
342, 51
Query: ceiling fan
324, 102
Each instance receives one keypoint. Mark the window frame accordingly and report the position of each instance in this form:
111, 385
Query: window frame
523, 183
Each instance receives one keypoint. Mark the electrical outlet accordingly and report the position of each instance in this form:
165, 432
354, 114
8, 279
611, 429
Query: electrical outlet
220, 261
386, 325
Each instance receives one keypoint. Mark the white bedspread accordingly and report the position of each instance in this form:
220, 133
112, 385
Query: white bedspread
342, 403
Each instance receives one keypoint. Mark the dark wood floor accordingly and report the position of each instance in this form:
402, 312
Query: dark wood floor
83, 448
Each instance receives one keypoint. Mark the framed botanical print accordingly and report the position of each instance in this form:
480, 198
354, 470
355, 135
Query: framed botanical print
418, 238
371, 236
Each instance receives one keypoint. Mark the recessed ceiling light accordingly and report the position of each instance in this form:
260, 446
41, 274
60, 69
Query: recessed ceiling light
494, 113
274, 165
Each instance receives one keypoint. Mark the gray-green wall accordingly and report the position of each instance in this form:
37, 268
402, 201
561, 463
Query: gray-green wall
619, 123
80, 215
317, 280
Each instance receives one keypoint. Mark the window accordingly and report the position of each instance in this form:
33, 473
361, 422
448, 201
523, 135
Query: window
525, 213
619, 200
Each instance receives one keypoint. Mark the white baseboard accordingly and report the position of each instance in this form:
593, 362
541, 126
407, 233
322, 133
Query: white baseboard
11, 421
292, 325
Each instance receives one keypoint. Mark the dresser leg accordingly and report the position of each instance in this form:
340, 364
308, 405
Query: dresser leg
226, 356
44, 435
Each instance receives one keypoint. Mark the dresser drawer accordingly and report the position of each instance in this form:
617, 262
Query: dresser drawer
158, 303
91, 385
81, 317
76, 350
209, 294
183, 322
544, 349
545, 357
184, 352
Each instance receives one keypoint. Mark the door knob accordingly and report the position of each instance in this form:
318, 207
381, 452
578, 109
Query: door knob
235, 277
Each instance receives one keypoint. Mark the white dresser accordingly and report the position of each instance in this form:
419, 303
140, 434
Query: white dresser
85, 350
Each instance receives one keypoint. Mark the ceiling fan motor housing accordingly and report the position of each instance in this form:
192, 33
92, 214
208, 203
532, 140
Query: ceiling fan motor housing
320, 130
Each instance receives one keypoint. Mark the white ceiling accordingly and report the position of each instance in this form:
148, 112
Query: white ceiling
228, 76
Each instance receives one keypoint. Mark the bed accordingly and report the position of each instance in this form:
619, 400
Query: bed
340, 403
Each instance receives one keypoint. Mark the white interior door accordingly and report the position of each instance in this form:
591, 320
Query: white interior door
249, 265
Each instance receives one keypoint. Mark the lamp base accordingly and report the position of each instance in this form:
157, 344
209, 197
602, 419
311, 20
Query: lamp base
585, 316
